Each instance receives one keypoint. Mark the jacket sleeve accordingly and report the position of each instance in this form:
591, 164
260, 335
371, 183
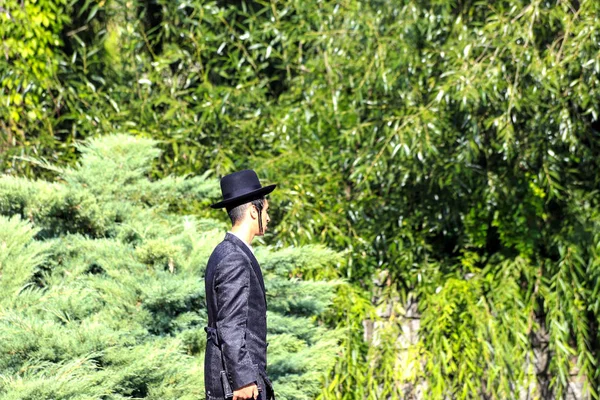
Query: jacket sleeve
232, 284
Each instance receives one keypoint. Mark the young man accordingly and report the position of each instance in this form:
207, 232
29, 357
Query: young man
235, 361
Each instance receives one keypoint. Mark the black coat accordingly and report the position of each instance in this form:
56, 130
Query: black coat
237, 319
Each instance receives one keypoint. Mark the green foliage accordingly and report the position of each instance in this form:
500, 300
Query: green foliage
102, 294
31, 33
441, 143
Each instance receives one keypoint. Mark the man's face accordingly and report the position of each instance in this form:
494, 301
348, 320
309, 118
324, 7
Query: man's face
265, 215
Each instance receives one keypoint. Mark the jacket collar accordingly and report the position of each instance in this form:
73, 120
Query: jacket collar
244, 247
247, 245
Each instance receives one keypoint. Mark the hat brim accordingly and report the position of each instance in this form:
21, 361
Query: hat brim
246, 197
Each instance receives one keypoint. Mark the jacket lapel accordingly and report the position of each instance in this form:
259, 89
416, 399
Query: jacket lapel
238, 242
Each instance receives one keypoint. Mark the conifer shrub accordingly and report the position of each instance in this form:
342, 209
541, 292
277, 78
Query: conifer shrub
450, 147
102, 289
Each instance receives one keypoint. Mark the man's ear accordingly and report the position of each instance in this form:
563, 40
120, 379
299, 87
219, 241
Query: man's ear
253, 212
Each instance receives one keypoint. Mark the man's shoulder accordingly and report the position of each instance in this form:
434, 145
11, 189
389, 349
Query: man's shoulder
225, 249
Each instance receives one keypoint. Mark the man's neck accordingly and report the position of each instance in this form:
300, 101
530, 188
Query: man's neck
243, 233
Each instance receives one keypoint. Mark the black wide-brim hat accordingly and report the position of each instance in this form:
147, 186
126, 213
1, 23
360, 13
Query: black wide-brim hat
241, 187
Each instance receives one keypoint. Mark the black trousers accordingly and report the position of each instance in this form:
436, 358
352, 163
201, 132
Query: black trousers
267, 394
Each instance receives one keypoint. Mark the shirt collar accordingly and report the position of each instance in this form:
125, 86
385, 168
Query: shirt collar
243, 241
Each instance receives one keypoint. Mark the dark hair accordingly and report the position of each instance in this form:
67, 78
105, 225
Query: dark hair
236, 214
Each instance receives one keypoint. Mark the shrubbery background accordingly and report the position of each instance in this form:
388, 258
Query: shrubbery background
448, 148
102, 289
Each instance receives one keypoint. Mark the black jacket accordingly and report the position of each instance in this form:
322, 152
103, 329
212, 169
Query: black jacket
237, 318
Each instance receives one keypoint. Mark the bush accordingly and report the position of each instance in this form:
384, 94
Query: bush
102, 293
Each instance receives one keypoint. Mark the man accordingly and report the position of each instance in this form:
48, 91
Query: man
236, 350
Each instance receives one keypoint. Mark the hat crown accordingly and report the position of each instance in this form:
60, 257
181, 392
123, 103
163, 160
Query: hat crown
239, 183
241, 187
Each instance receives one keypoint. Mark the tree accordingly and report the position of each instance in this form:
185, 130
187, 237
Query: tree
449, 148
102, 290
